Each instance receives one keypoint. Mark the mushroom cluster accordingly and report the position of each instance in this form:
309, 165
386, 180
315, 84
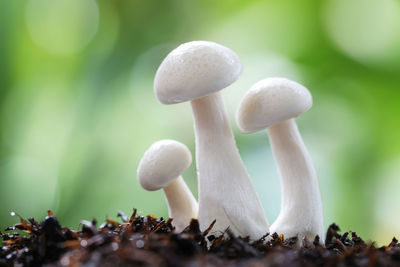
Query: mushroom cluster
196, 72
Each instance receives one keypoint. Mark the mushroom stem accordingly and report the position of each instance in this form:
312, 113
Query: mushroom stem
182, 206
225, 190
301, 206
161, 167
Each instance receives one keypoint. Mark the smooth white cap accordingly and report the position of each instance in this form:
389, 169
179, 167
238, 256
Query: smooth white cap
271, 101
194, 70
162, 163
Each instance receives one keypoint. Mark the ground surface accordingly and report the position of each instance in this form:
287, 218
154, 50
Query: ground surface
148, 241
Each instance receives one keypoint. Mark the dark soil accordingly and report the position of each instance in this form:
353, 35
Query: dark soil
148, 241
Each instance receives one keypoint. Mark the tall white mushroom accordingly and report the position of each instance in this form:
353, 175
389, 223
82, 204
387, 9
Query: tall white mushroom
195, 72
273, 103
161, 167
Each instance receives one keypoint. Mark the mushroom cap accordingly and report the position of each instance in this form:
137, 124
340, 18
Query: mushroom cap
162, 163
194, 70
271, 101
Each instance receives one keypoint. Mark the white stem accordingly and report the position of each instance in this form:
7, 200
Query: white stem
225, 190
301, 206
182, 205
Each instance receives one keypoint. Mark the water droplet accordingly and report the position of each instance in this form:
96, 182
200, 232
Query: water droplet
114, 246
83, 243
139, 244
65, 261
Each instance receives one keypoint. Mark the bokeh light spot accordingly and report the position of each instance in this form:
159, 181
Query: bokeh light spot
64, 26
365, 30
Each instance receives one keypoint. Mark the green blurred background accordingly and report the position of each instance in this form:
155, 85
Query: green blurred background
77, 109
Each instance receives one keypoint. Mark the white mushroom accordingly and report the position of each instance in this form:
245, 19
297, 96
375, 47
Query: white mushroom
195, 72
161, 167
273, 103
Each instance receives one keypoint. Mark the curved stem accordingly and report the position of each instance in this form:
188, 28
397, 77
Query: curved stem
182, 205
225, 190
301, 206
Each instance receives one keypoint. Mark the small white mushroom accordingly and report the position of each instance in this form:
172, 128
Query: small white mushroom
195, 72
273, 103
161, 167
